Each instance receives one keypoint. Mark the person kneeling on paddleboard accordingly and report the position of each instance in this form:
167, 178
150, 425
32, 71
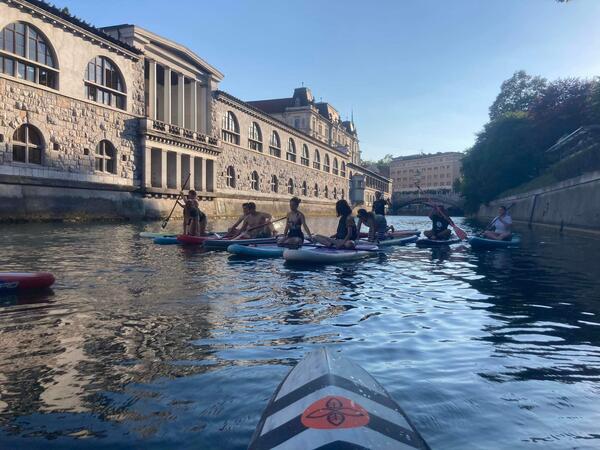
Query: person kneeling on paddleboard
502, 226
439, 228
293, 237
375, 222
347, 232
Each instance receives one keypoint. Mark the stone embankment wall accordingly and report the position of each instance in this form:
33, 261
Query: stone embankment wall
572, 204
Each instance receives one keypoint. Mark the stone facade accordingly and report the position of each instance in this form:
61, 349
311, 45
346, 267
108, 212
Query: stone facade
321, 186
126, 147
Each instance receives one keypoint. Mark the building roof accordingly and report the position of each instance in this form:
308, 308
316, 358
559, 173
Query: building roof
274, 106
367, 171
65, 15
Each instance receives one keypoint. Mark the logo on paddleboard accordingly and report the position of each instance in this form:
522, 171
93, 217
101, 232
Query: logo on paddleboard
334, 413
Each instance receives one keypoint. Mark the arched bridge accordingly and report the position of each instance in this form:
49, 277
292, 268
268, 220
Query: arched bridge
450, 200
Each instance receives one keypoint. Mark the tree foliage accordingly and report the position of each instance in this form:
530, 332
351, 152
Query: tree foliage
517, 94
528, 116
381, 165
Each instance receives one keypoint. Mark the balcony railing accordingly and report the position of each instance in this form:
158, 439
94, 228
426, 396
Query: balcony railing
182, 132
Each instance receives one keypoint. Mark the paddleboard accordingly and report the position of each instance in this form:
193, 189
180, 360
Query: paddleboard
256, 251
394, 241
25, 280
186, 239
483, 243
152, 234
222, 244
425, 242
166, 240
328, 255
329, 402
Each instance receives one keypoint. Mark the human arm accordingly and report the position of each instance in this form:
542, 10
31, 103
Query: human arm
305, 226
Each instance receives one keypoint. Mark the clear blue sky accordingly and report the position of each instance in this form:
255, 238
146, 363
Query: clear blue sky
419, 74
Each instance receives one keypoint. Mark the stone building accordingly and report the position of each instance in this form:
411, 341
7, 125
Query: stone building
114, 122
433, 172
70, 97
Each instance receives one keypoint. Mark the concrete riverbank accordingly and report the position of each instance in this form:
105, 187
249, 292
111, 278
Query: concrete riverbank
572, 205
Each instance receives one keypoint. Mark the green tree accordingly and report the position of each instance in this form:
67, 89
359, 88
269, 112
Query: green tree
517, 94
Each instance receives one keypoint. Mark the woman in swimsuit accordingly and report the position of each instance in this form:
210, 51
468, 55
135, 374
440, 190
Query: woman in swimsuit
293, 236
347, 232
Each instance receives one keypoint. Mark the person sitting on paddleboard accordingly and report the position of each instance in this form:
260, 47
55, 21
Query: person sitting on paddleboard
232, 230
439, 229
347, 232
251, 226
375, 222
502, 226
293, 236
194, 220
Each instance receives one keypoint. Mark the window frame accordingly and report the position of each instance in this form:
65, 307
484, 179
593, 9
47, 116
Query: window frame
255, 137
290, 154
254, 181
104, 158
317, 160
274, 184
27, 146
275, 144
230, 177
97, 91
230, 128
305, 158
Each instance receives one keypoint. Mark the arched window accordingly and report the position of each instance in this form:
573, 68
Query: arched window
255, 137
304, 160
342, 195
28, 145
291, 151
326, 164
230, 130
335, 193
343, 171
275, 145
316, 190
106, 157
26, 54
104, 83
290, 186
304, 189
326, 192
274, 183
317, 160
335, 166
254, 181
230, 177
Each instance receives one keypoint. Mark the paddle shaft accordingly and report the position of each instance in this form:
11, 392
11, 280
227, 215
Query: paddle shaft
166, 221
266, 224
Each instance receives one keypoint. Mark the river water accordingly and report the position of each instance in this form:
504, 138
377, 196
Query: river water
165, 347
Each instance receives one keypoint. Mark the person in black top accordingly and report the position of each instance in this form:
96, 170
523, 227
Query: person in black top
293, 236
439, 228
346, 232
194, 220
380, 203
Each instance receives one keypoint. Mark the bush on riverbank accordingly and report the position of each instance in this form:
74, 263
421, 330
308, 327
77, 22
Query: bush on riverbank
529, 115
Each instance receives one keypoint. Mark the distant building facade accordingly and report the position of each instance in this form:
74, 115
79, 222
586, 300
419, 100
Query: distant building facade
114, 122
435, 172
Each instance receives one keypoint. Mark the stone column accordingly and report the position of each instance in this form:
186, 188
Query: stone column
151, 113
209, 106
201, 109
147, 165
180, 101
203, 174
167, 99
191, 183
193, 106
163, 167
178, 170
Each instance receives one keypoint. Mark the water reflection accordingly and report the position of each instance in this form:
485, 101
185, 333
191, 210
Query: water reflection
174, 347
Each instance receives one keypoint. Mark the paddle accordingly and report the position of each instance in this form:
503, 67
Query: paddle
460, 233
166, 221
266, 224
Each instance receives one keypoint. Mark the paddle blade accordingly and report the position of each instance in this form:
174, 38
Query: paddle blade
460, 233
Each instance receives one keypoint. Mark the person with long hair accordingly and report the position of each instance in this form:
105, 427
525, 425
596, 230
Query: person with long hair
347, 232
